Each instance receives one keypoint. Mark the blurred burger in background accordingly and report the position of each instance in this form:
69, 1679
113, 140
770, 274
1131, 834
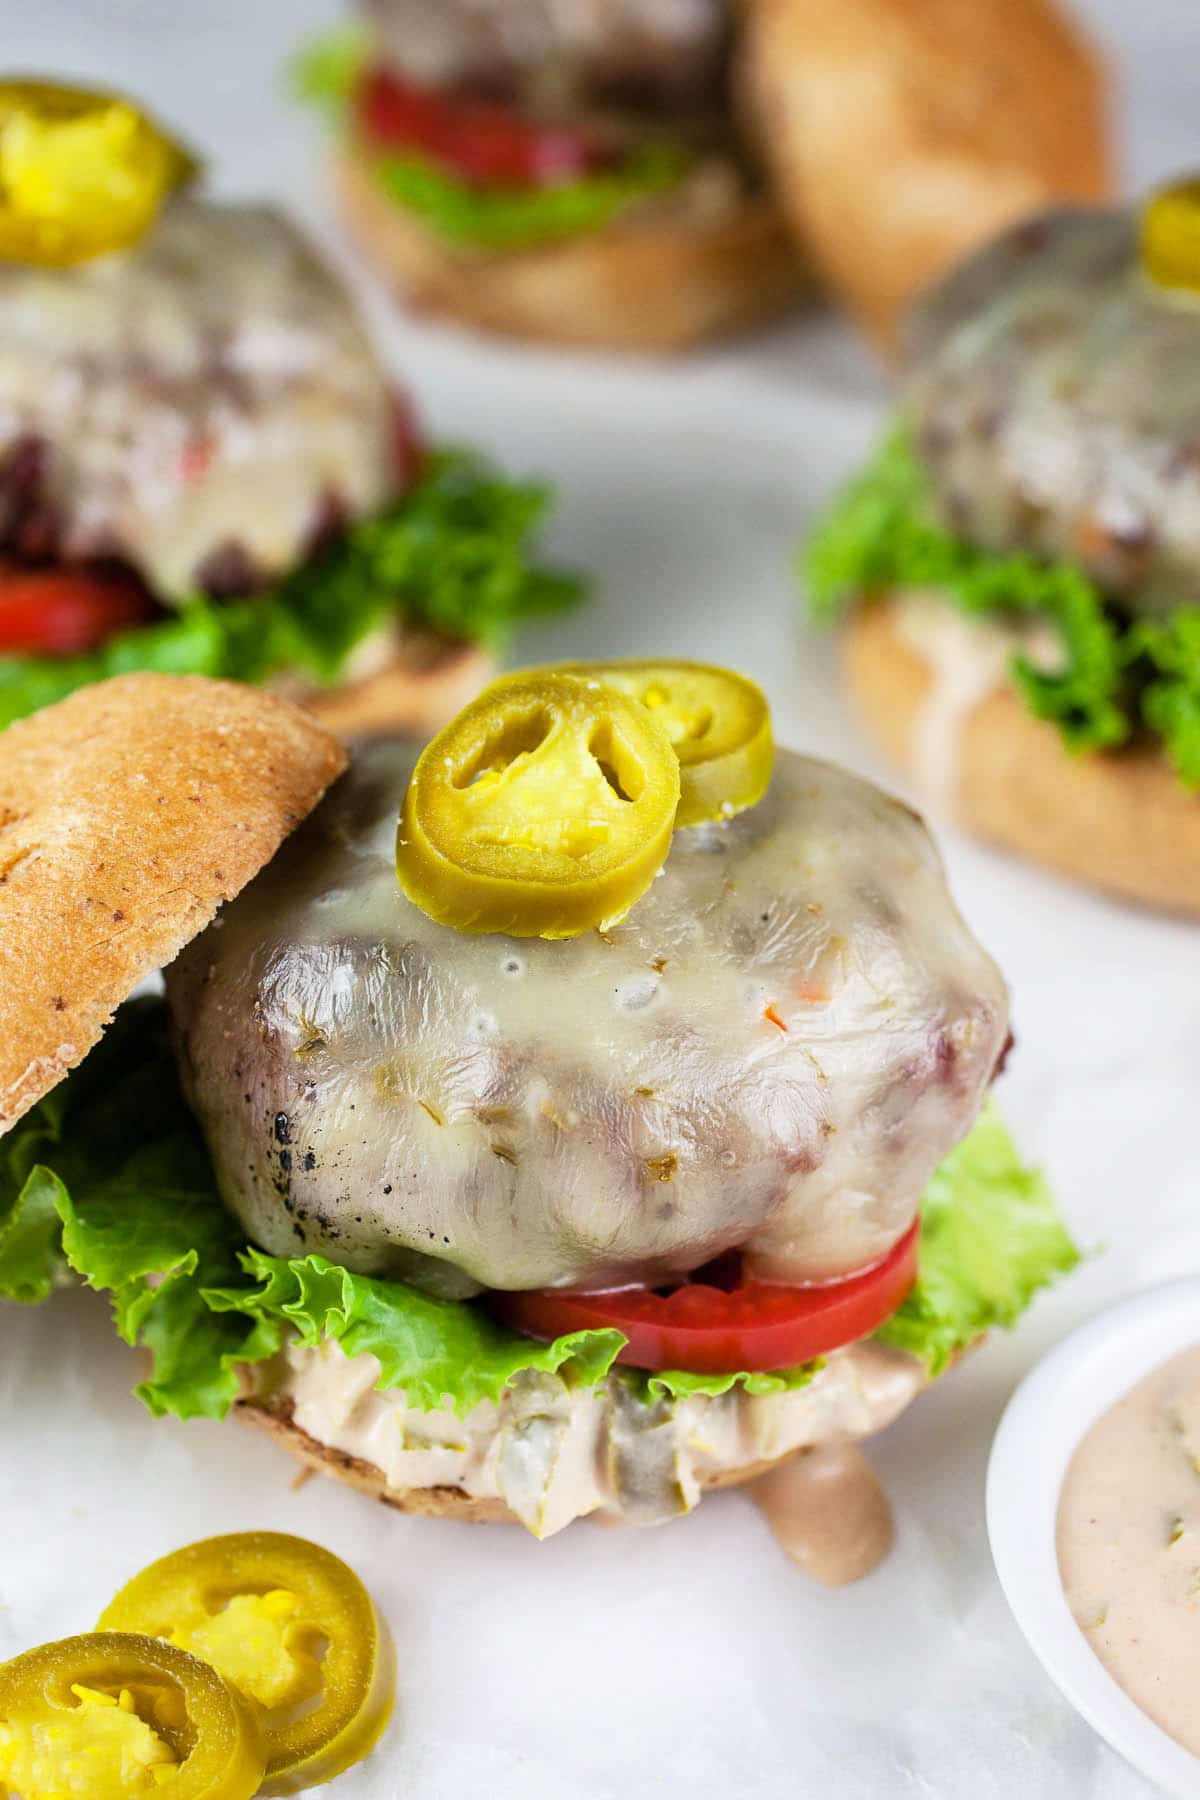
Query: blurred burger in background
1019, 564
573, 172
646, 174
204, 468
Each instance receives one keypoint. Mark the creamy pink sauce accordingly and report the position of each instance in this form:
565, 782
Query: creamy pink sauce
1129, 1544
554, 1452
829, 1513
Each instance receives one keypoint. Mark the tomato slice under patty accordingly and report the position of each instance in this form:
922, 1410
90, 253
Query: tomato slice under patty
710, 1330
62, 611
408, 444
486, 143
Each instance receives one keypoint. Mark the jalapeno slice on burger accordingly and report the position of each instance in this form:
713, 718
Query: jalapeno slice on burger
291, 1627
545, 809
719, 725
1170, 236
112, 1715
81, 172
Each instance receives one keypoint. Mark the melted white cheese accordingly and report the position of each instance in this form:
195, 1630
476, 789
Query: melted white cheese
212, 384
773, 1051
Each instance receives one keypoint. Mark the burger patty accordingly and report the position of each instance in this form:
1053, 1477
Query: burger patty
1055, 394
772, 1052
556, 54
203, 406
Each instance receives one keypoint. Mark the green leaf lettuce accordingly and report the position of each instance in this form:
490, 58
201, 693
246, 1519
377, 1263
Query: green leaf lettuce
451, 555
990, 1238
1114, 677
514, 218
107, 1182
467, 213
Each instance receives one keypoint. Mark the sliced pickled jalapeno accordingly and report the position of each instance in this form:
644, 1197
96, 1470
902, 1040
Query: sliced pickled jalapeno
1170, 236
112, 1715
295, 1632
545, 809
81, 173
718, 723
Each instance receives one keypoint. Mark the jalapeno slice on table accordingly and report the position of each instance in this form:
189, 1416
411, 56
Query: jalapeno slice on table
81, 173
110, 1715
292, 1628
545, 809
718, 722
1170, 236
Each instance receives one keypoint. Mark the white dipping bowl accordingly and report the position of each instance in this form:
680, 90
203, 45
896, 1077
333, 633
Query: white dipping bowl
1043, 1425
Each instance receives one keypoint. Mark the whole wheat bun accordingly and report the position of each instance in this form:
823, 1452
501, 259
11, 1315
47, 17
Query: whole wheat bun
275, 1418
421, 690
128, 813
1120, 821
664, 280
902, 135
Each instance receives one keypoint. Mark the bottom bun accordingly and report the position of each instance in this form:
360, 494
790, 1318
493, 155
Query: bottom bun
275, 1417
546, 1452
1119, 820
425, 684
669, 277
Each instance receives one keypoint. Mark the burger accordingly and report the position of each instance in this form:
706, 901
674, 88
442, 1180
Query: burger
1019, 566
203, 465
647, 174
576, 172
613, 1128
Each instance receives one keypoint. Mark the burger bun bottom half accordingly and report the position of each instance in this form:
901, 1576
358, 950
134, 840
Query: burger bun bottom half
1120, 821
671, 276
274, 1416
425, 684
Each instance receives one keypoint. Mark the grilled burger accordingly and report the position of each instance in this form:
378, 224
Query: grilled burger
1026, 541
204, 467
575, 172
505, 1222
627, 172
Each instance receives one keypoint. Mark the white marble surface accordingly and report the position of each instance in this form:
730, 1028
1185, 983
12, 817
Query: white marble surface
689, 1661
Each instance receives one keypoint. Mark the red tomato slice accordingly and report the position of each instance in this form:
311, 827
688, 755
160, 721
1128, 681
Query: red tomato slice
408, 447
62, 611
487, 143
707, 1330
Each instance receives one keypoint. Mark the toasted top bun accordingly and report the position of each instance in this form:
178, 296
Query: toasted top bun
904, 135
128, 813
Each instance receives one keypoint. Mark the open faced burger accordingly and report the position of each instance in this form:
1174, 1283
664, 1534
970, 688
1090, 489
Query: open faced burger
572, 172
1021, 561
203, 465
614, 1129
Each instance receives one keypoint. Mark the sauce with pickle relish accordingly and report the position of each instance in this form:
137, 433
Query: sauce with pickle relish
1129, 1544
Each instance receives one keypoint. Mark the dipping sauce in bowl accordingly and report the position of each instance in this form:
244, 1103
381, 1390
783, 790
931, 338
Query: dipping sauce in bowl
1054, 1419
1128, 1538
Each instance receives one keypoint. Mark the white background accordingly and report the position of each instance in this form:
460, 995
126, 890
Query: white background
690, 1661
